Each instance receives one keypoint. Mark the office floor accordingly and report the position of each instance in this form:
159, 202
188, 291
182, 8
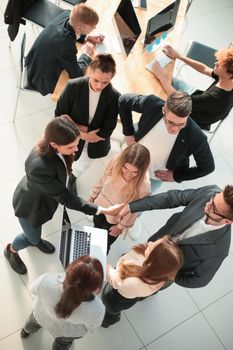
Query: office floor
175, 319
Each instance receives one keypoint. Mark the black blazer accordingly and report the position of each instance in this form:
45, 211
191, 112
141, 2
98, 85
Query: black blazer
203, 253
54, 50
44, 186
74, 101
190, 140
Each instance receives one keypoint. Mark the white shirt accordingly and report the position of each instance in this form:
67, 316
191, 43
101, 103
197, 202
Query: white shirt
197, 228
93, 102
160, 143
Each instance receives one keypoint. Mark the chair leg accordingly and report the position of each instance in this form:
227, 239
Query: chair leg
16, 105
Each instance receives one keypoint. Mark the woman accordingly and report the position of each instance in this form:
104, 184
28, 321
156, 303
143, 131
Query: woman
92, 103
138, 274
125, 179
38, 194
66, 303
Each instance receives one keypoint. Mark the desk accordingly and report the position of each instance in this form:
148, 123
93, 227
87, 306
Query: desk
131, 74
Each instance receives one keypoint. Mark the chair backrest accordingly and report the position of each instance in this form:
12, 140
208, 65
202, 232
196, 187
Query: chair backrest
201, 53
22, 51
42, 12
74, 2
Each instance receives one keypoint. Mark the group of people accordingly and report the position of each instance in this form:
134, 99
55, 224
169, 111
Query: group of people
187, 250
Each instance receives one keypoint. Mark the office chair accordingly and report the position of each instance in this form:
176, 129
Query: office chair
23, 83
72, 2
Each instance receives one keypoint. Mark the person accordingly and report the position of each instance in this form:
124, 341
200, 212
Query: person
170, 135
213, 104
125, 179
66, 304
92, 103
202, 230
39, 192
138, 274
55, 48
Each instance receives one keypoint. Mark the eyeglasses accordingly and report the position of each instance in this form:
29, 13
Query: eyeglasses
213, 209
170, 123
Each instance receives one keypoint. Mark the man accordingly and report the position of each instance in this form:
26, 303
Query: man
55, 48
169, 134
213, 104
202, 230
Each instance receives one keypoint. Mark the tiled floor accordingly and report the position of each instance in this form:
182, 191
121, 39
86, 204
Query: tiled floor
175, 319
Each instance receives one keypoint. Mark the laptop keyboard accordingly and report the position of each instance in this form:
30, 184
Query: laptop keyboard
82, 243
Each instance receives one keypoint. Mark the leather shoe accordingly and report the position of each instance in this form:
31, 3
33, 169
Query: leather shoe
72, 184
45, 246
14, 260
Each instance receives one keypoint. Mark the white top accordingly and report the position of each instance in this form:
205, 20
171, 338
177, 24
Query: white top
48, 289
160, 143
93, 102
197, 228
131, 287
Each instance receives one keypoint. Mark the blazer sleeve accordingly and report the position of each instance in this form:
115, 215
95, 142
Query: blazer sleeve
127, 104
65, 101
45, 179
166, 200
204, 162
201, 275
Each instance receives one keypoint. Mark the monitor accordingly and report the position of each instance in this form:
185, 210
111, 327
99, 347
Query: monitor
161, 22
127, 24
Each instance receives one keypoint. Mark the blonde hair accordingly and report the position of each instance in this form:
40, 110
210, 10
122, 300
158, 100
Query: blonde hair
83, 14
138, 156
226, 58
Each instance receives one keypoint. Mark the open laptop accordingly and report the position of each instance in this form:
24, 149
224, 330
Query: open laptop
79, 240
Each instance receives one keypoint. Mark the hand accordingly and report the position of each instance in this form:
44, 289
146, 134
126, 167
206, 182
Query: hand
125, 210
90, 199
158, 70
130, 140
165, 175
88, 49
114, 231
113, 210
170, 52
93, 137
82, 128
95, 38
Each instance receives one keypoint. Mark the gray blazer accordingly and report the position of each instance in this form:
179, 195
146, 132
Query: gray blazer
42, 188
203, 253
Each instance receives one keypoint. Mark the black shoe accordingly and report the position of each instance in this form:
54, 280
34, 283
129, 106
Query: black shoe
45, 246
14, 260
72, 184
24, 334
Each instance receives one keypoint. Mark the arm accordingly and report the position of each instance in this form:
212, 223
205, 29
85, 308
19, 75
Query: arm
34, 288
204, 162
65, 102
161, 75
198, 66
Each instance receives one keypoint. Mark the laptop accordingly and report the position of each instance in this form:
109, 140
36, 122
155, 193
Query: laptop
77, 240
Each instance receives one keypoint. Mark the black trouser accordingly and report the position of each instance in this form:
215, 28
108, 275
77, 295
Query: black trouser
101, 222
114, 304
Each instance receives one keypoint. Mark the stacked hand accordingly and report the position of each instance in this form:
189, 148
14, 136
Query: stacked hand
114, 210
164, 175
95, 38
91, 136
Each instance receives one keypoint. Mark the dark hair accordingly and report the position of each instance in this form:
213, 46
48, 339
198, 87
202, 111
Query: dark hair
179, 103
162, 264
83, 277
104, 62
62, 131
228, 198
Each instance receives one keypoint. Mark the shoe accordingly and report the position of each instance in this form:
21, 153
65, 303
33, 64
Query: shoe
24, 334
14, 260
45, 246
72, 184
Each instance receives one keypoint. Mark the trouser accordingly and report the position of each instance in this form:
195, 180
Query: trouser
82, 164
101, 222
60, 343
30, 235
114, 304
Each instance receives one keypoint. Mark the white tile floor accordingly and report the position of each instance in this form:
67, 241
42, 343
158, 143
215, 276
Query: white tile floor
175, 319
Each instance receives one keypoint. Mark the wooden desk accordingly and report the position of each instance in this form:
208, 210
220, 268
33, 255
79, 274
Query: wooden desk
131, 73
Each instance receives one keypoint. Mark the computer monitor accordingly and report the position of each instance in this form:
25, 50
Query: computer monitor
161, 22
127, 24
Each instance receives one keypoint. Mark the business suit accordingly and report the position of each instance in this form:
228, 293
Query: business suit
74, 101
203, 253
54, 50
190, 140
38, 194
